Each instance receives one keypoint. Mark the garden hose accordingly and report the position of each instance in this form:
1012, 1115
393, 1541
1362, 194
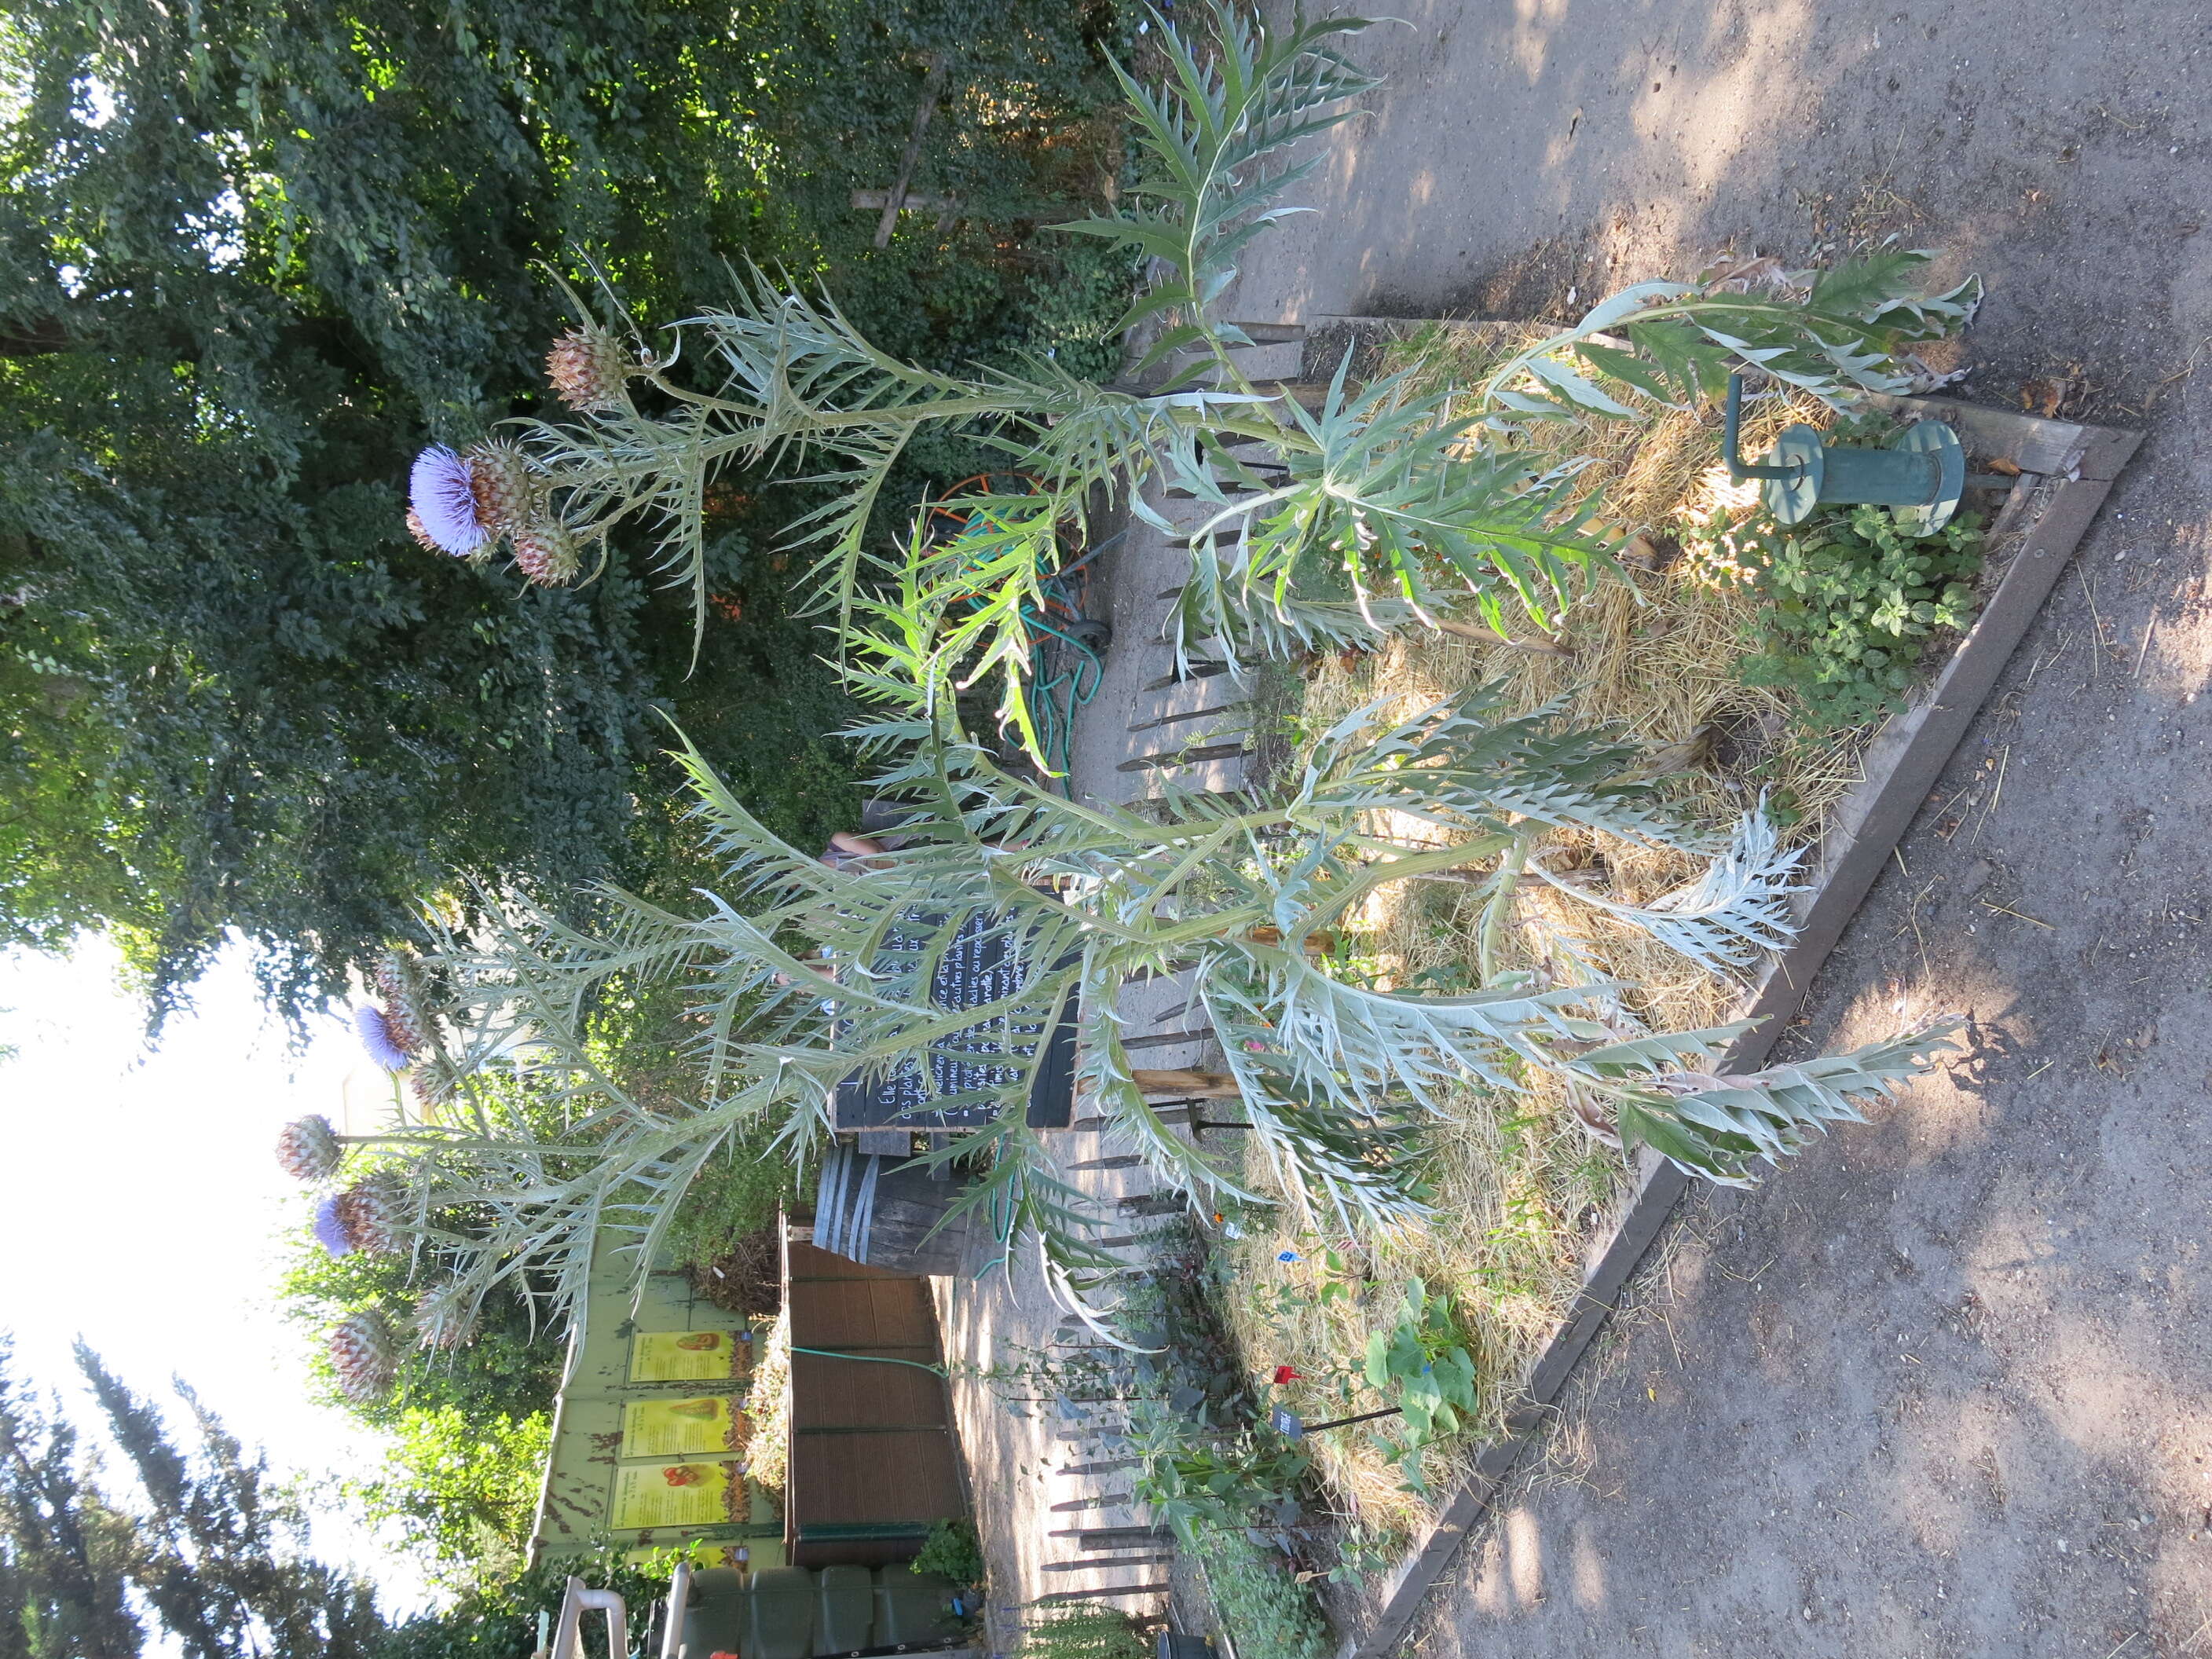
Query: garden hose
869, 1360
1056, 697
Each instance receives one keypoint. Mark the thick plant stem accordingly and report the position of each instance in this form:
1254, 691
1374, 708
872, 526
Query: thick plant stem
1500, 909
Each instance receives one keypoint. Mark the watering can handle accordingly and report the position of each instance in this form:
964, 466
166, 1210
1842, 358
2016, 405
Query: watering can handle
1731, 440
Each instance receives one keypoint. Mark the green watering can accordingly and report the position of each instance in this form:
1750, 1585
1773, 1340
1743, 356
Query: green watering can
1920, 476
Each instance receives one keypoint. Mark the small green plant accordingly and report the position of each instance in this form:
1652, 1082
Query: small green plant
1195, 1477
1084, 1631
1851, 599
952, 1551
1422, 1366
1260, 1602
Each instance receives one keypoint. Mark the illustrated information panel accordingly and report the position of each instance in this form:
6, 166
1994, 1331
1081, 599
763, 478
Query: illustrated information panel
688, 1355
690, 1494
676, 1428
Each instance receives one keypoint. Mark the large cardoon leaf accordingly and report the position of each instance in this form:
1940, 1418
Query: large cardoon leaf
1212, 141
1731, 916
1833, 333
1718, 1126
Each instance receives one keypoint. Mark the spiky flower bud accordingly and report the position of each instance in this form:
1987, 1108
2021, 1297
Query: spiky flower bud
442, 497
365, 1354
405, 1014
431, 1084
504, 488
377, 1037
544, 553
587, 368
308, 1149
367, 1213
445, 1318
420, 533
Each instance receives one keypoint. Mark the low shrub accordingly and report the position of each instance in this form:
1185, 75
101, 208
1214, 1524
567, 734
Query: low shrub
1267, 1610
1852, 599
952, 1551
723, 1231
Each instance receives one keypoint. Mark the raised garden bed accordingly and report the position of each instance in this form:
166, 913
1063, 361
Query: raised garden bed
2064, 471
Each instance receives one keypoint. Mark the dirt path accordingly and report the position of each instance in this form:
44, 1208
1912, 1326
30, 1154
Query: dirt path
1944, 1386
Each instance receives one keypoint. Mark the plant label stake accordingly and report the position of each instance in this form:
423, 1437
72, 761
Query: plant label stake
1292, 1426
1920, 476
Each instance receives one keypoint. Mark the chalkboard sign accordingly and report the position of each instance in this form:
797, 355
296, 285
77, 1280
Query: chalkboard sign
979, 967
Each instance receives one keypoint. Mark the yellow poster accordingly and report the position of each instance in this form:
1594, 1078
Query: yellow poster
698, 1494
675, 1428
686, 1356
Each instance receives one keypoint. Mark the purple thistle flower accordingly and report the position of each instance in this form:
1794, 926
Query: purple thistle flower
329, 1230
376, 1037
442, 491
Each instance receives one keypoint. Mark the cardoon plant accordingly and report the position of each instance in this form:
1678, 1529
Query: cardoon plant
1387, 505
824, 974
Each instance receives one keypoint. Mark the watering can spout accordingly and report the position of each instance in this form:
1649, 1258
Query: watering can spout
1732, 442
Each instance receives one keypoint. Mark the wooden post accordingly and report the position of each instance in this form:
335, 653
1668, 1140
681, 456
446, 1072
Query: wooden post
1204, 1085
931, 84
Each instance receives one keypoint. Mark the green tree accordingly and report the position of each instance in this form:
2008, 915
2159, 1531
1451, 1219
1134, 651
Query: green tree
215, 1550
63, 1549
462, 1490
499, 1620
253, 257
206, 1547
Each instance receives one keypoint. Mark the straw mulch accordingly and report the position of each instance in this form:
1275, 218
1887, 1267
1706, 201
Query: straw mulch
1524, 1191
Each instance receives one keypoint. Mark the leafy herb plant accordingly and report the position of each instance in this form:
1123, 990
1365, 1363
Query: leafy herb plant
1083, 1629
952, 1551
1852, 600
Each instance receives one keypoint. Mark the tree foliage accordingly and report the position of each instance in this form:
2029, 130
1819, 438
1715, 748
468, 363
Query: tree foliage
217, 1553
253, 255
201, 1543
499, 1620
64, 1550
461, 1490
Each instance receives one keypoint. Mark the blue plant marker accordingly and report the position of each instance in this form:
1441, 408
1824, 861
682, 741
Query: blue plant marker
1288, 1424
1288, 1255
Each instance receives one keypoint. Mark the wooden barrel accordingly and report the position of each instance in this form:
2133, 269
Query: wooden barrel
886, 1212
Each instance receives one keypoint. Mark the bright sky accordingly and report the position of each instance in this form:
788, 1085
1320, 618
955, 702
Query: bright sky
145, 1208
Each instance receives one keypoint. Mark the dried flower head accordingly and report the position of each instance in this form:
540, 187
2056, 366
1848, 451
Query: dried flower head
308, 1149
445, 1318
587, 368
365, 1354
442, 497
431, 1084
404, 1013
504, 490
377, 1036
544, 553
367, 1215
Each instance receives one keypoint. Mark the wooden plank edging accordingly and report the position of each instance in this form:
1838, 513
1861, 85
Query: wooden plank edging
2076, 466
